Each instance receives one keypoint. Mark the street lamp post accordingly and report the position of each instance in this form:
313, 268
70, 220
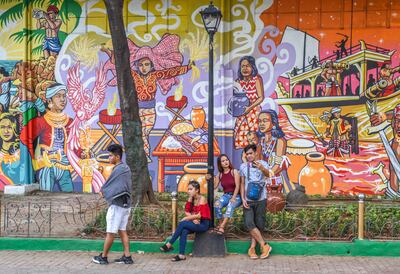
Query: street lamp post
211, 17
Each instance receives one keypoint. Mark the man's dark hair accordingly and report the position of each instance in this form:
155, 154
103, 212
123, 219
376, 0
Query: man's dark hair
251, 146
115, 149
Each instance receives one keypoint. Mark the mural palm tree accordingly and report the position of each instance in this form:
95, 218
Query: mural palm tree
69, 10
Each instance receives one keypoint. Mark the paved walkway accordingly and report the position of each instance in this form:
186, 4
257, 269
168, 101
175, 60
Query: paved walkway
80, 262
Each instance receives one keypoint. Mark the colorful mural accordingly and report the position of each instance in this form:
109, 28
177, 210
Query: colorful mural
316, 89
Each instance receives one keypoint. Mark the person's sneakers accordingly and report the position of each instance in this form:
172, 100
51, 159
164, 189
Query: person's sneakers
252, 253
100, 259
265, 251
124, 260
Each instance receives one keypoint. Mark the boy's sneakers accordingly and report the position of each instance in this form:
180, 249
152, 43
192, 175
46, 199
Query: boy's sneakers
265, 251
124, 260
252, 253
100, 259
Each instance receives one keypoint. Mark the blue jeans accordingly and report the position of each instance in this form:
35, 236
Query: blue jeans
224, 201
186, 227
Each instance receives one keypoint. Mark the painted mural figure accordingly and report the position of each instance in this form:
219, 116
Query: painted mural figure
341, 45
272, 149
14, 156
337, 52
338, 131
371, 81
294, 71
46, 138
320, 92
394, 116
9, 147
5, 87
88, 164
386, 74
252, 139
331, 74
51, 23
314, 62
251, 83
153, 67
348, 90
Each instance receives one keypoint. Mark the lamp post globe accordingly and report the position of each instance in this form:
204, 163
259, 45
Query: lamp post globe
211, 17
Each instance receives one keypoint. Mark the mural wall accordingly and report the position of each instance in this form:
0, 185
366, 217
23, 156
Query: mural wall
314, 85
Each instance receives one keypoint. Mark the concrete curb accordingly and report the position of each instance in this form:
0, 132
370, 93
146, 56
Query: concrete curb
355, 248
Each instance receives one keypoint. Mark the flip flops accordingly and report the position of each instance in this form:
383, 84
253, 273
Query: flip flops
165, 248
177, 258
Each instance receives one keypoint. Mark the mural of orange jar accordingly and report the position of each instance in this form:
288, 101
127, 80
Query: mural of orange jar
315, 176
296, 151
198, 116
194, 171
104, 164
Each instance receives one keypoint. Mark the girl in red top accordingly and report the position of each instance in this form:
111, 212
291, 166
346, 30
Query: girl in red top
197, 219
230, 182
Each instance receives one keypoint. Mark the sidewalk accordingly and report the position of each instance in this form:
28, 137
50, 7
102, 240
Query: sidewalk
80, 262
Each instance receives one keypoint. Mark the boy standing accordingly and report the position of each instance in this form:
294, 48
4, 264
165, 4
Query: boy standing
254, 207
117, 192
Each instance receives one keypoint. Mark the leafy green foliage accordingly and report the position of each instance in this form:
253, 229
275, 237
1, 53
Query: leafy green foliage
4, 2
69, 9
72, 8
335, 222
12, 14
36, 35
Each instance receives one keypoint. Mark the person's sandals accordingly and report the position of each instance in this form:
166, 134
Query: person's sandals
220, 231
165, 248
177, 258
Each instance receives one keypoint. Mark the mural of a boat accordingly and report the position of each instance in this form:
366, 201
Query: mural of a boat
362, 62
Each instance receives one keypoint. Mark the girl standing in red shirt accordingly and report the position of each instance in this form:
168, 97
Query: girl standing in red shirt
197, 219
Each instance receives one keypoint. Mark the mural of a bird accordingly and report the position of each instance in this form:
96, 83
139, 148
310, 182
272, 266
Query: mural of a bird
85, 103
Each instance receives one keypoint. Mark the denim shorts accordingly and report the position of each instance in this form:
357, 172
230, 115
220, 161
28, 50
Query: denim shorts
225, 201
254, 217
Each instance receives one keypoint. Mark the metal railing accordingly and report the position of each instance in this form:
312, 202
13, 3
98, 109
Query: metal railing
78, 216
49, 217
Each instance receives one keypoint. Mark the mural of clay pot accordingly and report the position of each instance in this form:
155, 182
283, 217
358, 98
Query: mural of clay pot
237, 104
315, 176
296, 151
194, 171
198, 116
275, 199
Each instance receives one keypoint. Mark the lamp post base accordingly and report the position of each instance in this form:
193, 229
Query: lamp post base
209, 244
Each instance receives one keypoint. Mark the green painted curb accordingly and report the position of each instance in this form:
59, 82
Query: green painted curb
355, 248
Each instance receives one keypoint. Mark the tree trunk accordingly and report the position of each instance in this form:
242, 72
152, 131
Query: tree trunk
136, 159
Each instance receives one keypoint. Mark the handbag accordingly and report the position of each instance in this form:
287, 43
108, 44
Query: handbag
254, 188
